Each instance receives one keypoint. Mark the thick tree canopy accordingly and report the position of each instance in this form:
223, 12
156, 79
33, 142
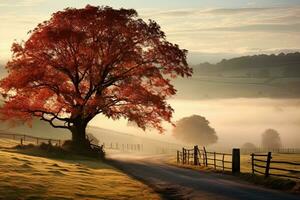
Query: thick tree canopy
195, 130
271, 139
83, 62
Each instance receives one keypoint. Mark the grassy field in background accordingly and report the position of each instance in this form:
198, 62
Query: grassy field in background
30, 177
246, 164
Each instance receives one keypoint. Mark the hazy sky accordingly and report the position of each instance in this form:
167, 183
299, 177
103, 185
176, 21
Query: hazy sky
209, 29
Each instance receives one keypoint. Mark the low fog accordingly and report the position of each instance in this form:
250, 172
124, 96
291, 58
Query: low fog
236, 121
242, 120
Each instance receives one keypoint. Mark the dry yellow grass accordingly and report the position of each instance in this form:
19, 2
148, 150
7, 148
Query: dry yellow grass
29, 177
8, 143
247, 167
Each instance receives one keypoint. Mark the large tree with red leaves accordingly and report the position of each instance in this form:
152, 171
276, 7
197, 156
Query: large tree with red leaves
95, 60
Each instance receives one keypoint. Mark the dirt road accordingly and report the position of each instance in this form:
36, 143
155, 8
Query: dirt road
177, 183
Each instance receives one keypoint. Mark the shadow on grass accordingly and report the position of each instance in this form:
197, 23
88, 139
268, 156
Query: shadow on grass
60, 154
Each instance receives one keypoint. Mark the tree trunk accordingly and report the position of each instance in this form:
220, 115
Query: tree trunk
79, 141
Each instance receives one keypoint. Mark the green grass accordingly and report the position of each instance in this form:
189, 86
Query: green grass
24, 176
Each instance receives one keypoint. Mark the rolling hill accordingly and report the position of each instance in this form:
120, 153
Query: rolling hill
257, 66
259, 76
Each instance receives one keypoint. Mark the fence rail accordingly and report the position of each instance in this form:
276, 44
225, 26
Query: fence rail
123, 147
29, 138
267, 166
218, 160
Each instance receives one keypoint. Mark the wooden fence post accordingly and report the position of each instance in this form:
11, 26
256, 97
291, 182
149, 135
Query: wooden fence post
205, 156
268, 164
182, 156
215, 162
21, 141
252, 162
236, 161
188, 157
196, 155
199, 156
177, 156
185, 155
223, 162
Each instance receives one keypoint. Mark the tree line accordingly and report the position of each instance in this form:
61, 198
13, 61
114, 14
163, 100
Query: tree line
289, 64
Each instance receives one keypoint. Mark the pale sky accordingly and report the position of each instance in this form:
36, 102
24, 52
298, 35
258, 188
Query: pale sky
209, 29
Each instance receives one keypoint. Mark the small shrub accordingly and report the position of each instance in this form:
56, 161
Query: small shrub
67, 150
88, 149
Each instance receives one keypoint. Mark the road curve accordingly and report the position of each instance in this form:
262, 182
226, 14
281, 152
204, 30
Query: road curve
178, 183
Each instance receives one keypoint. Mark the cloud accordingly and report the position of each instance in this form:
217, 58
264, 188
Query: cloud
199, 12
219, 31
19, 3
249, 28
230, 11
227, 31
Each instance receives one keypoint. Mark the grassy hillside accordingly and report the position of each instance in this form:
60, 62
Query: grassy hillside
283, 65
209, 87
29, 177
274, 76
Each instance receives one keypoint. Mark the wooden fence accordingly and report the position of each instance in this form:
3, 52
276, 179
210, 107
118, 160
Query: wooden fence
218, 160
269, 166
28, 138
196, 156
38, 140
123, 147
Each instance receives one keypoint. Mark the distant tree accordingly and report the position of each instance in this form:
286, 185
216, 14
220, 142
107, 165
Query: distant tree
195, 130
95, 60
271, 139
248, 145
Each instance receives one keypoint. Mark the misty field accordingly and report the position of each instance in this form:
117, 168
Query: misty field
30, 177
246, 164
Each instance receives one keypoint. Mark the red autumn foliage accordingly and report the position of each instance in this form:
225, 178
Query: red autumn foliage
83, 62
